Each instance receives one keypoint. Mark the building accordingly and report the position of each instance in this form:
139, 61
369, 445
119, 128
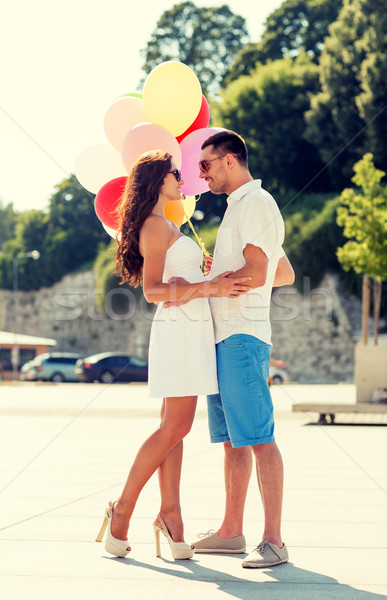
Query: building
24, 347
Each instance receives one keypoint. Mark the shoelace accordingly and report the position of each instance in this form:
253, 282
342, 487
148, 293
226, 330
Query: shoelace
208, 533
264, 547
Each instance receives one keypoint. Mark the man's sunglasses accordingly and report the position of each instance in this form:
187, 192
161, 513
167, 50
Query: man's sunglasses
204, 165
177, 174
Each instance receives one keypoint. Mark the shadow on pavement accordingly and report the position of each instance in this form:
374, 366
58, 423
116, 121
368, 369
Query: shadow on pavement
292, 582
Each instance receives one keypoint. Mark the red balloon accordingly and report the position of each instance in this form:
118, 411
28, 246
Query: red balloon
201, 121
108, 200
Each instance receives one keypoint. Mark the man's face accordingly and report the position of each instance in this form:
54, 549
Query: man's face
216, 174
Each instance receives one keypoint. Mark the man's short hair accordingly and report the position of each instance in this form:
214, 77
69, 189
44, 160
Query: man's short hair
225, 142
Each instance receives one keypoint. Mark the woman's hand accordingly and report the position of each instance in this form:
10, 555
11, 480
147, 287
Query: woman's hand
226, 286
207, 265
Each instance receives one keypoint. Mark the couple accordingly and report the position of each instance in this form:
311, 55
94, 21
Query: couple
184, 358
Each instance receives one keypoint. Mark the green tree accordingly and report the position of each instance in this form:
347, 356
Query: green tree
67, 236
296, 26
364, 218
30, 232
8, 218
267, 109
74, 231
312, 237
204, 38
371, 102
349, 116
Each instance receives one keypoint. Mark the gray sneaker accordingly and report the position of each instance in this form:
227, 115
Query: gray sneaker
266, 555
212, 543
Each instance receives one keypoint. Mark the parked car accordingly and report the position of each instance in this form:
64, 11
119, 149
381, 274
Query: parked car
277, 372
55, 366
108, 367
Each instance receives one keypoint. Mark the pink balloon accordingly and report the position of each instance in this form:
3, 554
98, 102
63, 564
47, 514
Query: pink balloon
190, 150
145, 137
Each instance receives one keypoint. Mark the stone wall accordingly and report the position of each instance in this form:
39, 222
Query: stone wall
68, 313
312, 333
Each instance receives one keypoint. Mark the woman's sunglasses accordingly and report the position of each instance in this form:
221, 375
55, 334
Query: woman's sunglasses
177, 174
204, 165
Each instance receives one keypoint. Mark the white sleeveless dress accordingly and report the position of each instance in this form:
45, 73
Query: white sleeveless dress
182, 360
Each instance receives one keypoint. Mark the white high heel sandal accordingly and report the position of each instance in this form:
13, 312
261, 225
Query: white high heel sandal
112, 544
180, 550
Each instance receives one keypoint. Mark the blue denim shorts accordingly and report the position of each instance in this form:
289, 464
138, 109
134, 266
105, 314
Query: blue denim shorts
242, 412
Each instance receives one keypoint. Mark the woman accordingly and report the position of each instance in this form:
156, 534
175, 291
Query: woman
151, 251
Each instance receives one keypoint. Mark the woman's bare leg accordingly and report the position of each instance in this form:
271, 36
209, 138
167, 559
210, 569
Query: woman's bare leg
177, 422
169, 473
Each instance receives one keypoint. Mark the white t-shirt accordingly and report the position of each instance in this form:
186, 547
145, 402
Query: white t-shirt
252, 217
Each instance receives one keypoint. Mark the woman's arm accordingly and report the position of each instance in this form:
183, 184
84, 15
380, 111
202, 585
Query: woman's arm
155, 238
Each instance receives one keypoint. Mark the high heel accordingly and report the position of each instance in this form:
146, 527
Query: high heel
179, 550
112, 544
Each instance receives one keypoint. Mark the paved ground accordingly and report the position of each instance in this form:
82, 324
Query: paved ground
65, 452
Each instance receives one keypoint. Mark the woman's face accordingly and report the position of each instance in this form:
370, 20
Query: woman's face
171, 187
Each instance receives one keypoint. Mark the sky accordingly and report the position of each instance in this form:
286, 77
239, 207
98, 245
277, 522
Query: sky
62, 65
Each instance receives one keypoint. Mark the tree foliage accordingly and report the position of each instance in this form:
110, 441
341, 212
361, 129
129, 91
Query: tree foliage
312, 237
67, 236
204, 38
267, 108
349, 117
364, 219
8, 219
296, 26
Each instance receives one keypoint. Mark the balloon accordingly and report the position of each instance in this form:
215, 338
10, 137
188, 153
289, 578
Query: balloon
109, 230
189, 205
96, 165
190, 149
134, 94
174, 211
172, 96
108, 200
202, 120
178, 211
146, 137
121, 116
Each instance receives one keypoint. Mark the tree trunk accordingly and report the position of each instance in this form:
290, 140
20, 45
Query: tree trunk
377, 301
365, 318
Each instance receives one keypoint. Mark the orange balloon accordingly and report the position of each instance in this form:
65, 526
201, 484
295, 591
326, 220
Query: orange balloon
174, 211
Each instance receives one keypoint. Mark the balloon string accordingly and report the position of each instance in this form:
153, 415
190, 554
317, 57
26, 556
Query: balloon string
198, 239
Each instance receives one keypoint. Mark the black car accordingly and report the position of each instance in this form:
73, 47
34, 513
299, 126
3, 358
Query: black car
108, 367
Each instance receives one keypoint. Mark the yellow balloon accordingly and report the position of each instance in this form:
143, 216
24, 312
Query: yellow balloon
189, 205
172, 96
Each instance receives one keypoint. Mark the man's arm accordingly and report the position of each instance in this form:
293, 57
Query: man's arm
255, 266
284, 274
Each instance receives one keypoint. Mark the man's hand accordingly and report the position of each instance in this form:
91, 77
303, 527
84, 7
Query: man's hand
230, 286
176, 302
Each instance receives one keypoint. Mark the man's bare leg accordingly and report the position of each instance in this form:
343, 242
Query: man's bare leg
237, 472
270, 476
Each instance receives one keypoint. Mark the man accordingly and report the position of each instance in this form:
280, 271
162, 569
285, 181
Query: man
249, 242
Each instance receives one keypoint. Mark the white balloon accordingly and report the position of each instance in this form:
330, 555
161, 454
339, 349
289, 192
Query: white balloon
98, 164
110, 231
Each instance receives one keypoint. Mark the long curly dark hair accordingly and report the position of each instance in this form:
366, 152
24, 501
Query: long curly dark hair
138, 200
